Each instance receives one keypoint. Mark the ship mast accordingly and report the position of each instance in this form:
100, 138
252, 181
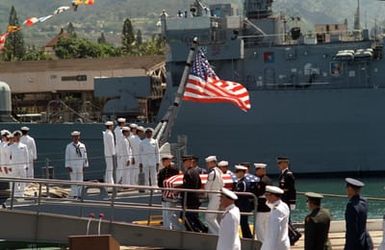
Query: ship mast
357, 22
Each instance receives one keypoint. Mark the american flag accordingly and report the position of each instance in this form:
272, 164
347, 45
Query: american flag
3, 38
203, 85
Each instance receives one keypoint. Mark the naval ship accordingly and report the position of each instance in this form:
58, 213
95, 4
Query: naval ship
315, 97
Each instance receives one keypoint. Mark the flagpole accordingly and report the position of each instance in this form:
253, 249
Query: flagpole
168, 119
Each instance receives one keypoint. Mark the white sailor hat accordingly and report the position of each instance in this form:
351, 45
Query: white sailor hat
10, 135
211, 158
167, 156
354, 182
223, 164
240, 167
133, 125
229, 194
5, 132
109, 123
149, 129
24, 128
126, 129
314, 196
274, 190
121, 119
260, 165
16, 133
75, 133
140, 128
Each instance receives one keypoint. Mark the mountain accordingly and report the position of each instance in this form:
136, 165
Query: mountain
108, 15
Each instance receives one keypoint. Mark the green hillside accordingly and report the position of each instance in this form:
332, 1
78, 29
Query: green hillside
108, 15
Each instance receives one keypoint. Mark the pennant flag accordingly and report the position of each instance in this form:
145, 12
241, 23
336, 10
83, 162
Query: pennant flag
13, 28
31, 21
204, 86
61, 9
3, 38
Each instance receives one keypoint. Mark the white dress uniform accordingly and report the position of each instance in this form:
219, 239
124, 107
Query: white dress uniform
76, 159
149, 158
134, 167
119, 145
276, 235
4, 154
214, 183
31, 145
125, 160
19, 159
228, 231
109, 153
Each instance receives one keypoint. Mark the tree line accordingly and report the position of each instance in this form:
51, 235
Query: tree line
74, 46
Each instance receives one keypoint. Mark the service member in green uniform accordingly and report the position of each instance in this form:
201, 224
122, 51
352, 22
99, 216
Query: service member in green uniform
317, 224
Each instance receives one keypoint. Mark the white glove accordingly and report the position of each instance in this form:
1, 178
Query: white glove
292, 206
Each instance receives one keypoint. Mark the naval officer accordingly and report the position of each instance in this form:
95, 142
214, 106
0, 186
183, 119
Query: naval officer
317, 224
263, 211
276, 236
19, 159
243, 202
109, 152
135, 147
149, 158
31, 145
214, 183
357, 237
228, 230
121, 165
75, 162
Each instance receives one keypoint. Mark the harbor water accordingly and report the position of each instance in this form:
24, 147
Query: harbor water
374, 188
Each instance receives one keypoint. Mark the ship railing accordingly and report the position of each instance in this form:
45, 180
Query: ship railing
112, 201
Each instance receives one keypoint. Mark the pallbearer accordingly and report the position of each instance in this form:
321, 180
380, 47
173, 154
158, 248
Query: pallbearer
31, 145
224, 166
149, 158
135, 147
243, 201
19, 159
214, 183
109, 152
263, 211
317, 224
357, 237
75, 162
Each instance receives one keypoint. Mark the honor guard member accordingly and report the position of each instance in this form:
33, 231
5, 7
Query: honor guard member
109, 152
243, 201
170, 219
126, 157
276, 236
31, 145
228, 238
19, 159
263, 211
135, 147
140, 132
317, 224
195, 165
251, 179
149, 158
357, 237
214, 183
75, 162
119, 144
224, 166
192, 180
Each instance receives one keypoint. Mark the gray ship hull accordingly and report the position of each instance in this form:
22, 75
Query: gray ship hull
322, 131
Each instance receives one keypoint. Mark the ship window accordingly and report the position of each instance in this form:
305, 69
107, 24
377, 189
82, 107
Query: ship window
327, 28
336, 26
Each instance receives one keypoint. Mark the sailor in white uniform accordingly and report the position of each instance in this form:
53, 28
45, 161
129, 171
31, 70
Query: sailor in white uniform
228, 238
126, 156
19, 159
75, 162
214, 183
276, 235
149, 158
4, 160
109, 152
119, 144
31, 145
133, 170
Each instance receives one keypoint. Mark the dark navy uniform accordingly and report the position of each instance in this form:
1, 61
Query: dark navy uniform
317, 225
191, 180
260, 191
244, 205
357, 238
287, 184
